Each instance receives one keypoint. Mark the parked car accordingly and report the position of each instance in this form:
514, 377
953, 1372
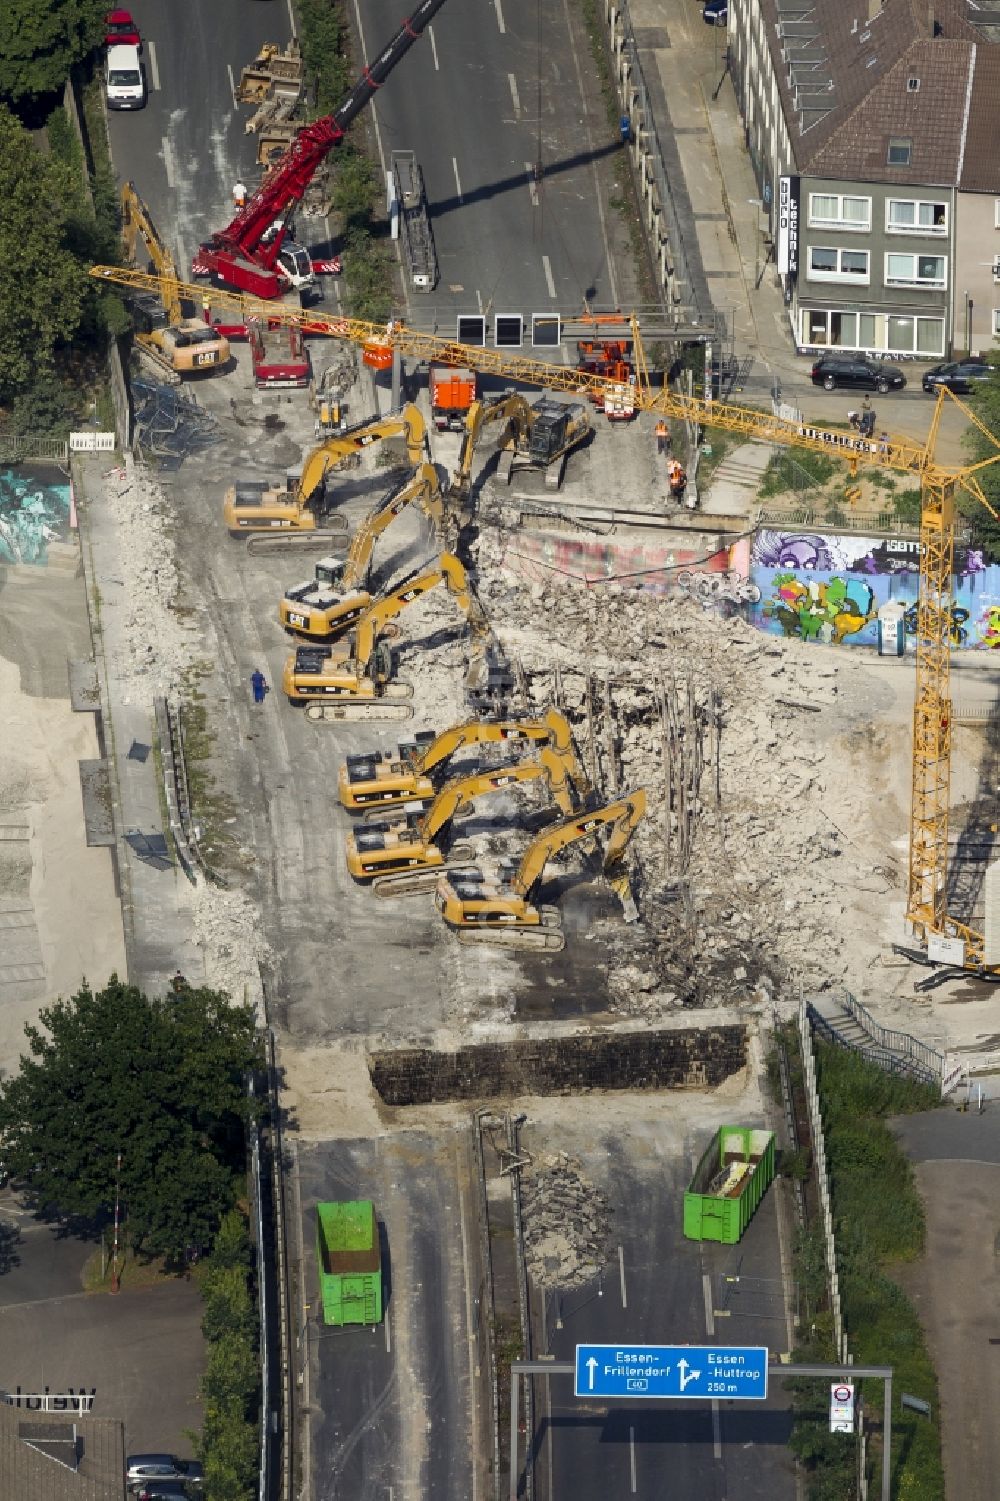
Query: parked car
120, 30
960, 376
856, 371
715, 12
140, 1468
164, 1490
124, 81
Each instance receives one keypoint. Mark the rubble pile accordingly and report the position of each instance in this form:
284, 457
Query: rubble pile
230, 937
750, 905
567, 1223
157, 645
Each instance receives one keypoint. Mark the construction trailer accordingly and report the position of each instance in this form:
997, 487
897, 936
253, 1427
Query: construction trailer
349, 1262
728, 1185
408, 207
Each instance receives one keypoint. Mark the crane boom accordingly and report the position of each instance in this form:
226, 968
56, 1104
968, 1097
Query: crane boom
245, 253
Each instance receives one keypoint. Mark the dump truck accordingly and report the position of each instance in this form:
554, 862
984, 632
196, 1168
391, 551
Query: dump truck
349, 1260
452, 393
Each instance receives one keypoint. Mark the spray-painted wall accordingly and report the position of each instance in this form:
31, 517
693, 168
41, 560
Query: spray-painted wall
35, 509
719, 575
828, 587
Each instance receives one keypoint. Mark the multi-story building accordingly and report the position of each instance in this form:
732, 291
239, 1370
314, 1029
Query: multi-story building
864, 121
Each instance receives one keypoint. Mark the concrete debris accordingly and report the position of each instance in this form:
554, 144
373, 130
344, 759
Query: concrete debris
567, 1223
229, 935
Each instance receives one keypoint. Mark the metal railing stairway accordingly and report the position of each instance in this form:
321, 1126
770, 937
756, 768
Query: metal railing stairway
841, 1019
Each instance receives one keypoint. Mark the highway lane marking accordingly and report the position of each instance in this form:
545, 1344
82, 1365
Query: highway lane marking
532, 184
291, 17
716, 1429
608, 257
154, 70
458, 180
374, 109
232, 82
388, 1336
513, 94
546, 267
434, 48
168, 163
496, 7
479, 301
621, 1273
467, 1279
631, 1456
706, 1287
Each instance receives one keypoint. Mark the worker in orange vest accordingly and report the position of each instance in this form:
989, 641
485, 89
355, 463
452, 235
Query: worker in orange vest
662, 436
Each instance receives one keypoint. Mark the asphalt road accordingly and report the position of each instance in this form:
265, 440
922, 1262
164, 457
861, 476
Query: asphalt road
496, 87
185, 150
393, 1404
657, 1288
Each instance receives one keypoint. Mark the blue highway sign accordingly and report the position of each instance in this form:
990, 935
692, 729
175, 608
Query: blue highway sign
700, 1371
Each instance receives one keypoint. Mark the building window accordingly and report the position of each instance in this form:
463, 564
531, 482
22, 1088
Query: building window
876, 333
899, 152
996, 320
839, 211
925, 271
830, 263
916, 216
906, 335
996, 212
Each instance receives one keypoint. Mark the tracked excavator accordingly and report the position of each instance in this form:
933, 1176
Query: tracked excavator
484, 910
353, 680
251, 507
324, 607
403, 857
379, 779
173, 345
537, 435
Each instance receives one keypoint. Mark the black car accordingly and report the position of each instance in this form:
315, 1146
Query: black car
960, 376
856, 371
164, 1490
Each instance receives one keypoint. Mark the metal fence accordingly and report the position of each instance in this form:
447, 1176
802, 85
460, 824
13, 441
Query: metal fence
822, 1176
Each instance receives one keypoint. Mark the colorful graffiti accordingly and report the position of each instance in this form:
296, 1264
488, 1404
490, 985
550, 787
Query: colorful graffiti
34, 511
829, 587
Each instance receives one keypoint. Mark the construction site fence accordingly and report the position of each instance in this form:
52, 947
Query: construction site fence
22, 448
822, 1175
677, 264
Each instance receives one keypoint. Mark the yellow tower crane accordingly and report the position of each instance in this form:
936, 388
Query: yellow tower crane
926, 907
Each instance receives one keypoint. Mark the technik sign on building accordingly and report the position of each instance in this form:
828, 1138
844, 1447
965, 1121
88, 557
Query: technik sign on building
788, 228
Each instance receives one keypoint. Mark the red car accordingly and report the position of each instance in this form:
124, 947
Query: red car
120, 30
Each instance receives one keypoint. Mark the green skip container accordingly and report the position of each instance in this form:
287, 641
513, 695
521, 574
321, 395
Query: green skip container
349, 1261
729, 1183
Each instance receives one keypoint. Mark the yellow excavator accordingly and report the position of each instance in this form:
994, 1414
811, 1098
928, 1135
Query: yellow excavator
173, 345
378, 779
318, 611
352, 680
402, 858
484, 910
252, 506
538, 435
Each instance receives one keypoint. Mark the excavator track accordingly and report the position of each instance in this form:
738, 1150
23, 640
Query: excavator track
548, 937
412, 882
297, 541
389, 706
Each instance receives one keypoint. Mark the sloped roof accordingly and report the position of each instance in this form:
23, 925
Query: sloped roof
980, 164
39, 1460
831, 57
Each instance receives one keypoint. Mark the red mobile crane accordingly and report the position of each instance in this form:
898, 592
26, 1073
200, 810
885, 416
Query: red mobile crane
252, 253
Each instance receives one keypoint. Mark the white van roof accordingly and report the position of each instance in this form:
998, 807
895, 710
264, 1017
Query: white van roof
125, 55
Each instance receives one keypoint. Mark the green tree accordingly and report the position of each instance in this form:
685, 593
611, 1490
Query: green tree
43, 282
162, 1082
986, 405
40, 42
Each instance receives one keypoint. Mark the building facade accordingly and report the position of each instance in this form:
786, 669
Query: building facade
863, 120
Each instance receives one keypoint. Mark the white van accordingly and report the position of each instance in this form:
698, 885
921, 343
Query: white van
124, 82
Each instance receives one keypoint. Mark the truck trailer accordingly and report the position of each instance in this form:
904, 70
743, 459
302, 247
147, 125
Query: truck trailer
349, 1262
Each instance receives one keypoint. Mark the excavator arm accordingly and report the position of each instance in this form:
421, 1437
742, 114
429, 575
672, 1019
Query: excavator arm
137, 224
557, 767
624, 815
510, 408
423, 488
409, 423
448, 571
553, 730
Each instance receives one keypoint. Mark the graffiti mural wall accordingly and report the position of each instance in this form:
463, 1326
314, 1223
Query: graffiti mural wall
719, 577
35, 509
828, 588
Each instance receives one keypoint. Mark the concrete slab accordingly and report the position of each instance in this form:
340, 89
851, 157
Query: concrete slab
95, 786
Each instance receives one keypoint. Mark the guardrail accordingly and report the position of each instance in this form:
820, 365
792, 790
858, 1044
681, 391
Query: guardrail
170, 729
18, 449
923, 1056
822, 1176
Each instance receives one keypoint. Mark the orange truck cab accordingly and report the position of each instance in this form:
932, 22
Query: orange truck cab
452, 393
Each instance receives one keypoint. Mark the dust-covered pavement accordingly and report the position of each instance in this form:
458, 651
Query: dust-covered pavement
60, 916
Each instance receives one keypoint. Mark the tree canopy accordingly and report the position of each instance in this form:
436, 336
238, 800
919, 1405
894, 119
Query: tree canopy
44, 288
162, 1081
40, 40
986, 405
